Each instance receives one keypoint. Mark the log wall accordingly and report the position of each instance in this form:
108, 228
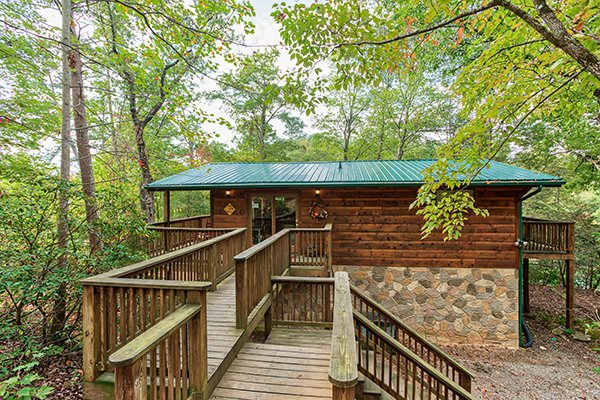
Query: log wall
374, 227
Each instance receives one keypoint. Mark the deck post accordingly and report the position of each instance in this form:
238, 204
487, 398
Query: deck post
343, 368
464, 380
343, 393
269, 320
329, 250
241, 295
130, 381
167, 207
570, 315
571, 276
212, 266
92, 349
198, 344
526, 285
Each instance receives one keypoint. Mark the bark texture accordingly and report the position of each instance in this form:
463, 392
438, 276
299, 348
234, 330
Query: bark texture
84, 150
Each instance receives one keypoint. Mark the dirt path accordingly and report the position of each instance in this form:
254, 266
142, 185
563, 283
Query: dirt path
556, 367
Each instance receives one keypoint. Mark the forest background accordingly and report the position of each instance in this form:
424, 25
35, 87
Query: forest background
101, 97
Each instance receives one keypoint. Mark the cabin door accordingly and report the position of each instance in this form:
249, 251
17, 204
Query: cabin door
271, 213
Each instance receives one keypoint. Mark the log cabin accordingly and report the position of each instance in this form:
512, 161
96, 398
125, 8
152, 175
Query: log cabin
462, 291
327, 259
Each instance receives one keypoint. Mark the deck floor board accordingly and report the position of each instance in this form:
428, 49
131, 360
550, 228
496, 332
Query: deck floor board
222, 333
281, 368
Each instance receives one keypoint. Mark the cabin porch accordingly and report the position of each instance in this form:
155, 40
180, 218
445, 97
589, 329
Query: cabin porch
546, 239
168, 328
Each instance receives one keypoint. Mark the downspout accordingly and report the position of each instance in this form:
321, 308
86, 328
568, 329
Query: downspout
523, 329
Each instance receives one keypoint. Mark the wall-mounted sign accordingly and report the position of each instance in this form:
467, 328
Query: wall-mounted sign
229, 209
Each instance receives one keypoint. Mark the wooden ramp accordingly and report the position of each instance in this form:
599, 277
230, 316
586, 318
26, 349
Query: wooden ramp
291, 364
224, 340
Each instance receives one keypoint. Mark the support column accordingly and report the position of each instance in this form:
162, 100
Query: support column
526, 285
570, 294
167, 206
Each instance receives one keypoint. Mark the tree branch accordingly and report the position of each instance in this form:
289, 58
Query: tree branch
492, 4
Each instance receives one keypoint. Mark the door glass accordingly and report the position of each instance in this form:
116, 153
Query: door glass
262, 218
285, 216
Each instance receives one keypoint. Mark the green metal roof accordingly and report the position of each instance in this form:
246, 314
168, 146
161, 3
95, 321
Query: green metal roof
336, 174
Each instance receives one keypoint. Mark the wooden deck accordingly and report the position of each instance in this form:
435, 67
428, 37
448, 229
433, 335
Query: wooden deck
291, 364
222, 334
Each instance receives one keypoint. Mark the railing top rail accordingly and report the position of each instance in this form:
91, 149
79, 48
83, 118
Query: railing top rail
178, 228
260, 246
429, 344
326, 228
181, 219
545, 221
270, 240
147, 283
301, 279
147, 340
154, 261
343, 366
406, 352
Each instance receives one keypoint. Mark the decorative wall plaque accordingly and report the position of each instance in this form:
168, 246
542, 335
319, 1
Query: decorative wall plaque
229, 209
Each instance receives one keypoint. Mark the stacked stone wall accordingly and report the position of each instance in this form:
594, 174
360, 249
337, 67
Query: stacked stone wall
449, 305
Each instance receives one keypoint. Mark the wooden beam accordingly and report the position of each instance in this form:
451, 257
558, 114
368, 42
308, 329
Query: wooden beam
92, 351
343, 369
547, 256
570, 294
130, 381
167, 206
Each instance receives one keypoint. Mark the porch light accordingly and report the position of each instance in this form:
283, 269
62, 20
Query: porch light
228, 193
317, 193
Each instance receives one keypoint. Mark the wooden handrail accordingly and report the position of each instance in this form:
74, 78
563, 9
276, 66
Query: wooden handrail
121, 304
146, 283
301, 279
449, 386
343, 370
261, 246
168, 360
149, 339
183, 228
177, 220
268, 241
551, 221
273, 256
427, 349
161, 259
548, 237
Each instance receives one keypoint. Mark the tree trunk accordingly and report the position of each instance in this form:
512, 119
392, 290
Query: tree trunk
58, 315
263, 133
380, 139
146, 198
84, 154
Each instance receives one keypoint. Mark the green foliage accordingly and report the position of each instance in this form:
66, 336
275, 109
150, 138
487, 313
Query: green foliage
256, 95
21, 382
505, 77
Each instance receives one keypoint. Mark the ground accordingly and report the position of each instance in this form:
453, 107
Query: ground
555, 367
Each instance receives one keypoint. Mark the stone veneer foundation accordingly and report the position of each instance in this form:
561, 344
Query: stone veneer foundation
448, 305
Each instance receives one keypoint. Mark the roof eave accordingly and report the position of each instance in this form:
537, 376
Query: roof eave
276, 185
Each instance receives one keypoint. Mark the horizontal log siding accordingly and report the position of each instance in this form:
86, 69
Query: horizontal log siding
221, 219
374, 227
